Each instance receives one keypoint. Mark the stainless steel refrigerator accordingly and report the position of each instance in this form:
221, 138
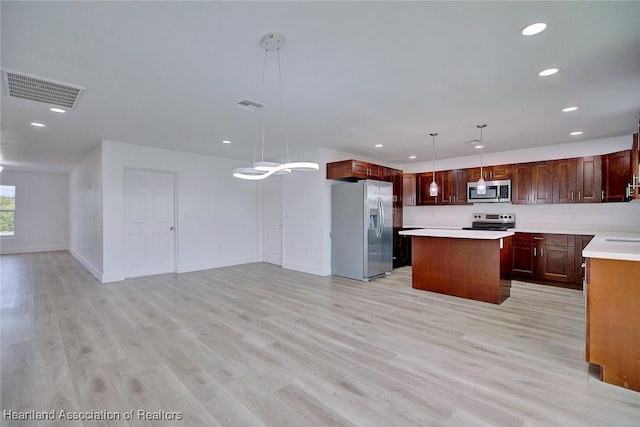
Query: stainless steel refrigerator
362, 229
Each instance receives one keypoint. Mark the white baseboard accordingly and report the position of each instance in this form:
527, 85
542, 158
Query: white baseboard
304, 268
12, 251
92, 269
214, 264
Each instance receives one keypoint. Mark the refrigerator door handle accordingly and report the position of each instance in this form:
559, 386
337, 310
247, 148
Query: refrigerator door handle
381, 222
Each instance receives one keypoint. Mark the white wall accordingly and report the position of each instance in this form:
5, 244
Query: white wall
307, 215
85, 212
580, 217
217, 214
42, 206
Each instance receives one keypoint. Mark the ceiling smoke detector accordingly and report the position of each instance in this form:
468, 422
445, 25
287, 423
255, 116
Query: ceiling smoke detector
249, 105
33, 88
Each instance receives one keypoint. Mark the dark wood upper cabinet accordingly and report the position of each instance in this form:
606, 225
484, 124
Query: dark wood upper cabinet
589, 179
565, 174
490, 173
542, 183
423, 180
453, 186
352, 170
616, 176
409, 189
532, 183
635, 167
521, 183
577, 180
500, 172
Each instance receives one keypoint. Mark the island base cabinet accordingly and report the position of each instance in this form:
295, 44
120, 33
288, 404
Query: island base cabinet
478, 269
613, 320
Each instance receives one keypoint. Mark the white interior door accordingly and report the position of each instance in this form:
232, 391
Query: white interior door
272, 220
149, 223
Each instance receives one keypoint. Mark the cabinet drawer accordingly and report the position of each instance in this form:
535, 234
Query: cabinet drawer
522, 239
563, 240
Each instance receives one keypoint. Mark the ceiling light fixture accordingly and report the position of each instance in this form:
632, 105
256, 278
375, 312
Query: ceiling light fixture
57, 110
272, 42
433, 187
226, 141
576, 133
569, 109
482, 187
36, 124
378, 145
1, 167
412, 157
548, 72
534, 29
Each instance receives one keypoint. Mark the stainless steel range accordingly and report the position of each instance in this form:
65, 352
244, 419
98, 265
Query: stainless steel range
493, 222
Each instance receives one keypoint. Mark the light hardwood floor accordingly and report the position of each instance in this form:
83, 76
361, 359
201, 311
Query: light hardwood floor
258, 345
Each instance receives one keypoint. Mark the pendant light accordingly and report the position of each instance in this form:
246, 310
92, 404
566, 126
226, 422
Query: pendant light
481, 187
262, 169
433, 187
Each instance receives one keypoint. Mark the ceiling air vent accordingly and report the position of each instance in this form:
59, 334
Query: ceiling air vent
33, 88
249, 105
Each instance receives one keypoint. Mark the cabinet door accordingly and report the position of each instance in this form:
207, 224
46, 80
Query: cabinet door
556, 258
398, 189
500, 172
635, 166
564, 181
616, 172
460, 186
360, 169
542, 183
589, 179
579, 272
446, 187
409, 189
521, 186
523, 260
423, 180
473, 174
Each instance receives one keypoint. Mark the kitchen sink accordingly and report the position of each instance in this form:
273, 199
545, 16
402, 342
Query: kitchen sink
622, 240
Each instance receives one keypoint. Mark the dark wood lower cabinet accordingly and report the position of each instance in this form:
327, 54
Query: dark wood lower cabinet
547, 258
613, 320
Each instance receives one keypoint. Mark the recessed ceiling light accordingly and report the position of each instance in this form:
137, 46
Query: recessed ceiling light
36, 124
412, 157
478, 146
569, 109
57, 110
226, 142
548, 72
378, 145
534, 29
576, 133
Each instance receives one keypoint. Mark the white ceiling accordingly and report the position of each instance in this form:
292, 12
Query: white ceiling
168, 74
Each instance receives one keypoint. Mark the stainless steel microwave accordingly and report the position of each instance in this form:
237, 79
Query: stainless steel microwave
497, 192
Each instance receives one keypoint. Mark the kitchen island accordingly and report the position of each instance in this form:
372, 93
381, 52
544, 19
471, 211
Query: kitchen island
613, 307
464, 263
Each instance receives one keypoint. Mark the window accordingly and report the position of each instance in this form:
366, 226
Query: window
7, 210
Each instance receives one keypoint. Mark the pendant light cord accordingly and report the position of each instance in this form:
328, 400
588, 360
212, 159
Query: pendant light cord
284, 153
433, 152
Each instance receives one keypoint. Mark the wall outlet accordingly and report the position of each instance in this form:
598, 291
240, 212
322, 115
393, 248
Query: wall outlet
572, 216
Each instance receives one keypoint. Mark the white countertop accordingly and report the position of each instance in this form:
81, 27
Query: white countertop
458, 234
618, 245
614, 245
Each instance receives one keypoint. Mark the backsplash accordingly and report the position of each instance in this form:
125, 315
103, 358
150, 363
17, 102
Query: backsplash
579, 217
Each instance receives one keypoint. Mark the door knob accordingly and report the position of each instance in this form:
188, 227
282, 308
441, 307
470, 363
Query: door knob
171, 228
